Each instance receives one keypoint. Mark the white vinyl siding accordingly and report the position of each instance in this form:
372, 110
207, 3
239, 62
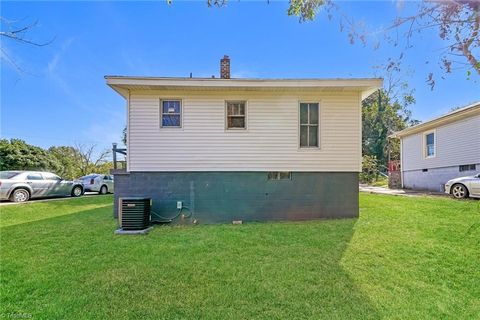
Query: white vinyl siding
271, 142
456, 144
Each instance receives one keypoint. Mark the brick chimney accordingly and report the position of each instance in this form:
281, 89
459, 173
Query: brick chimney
225, 67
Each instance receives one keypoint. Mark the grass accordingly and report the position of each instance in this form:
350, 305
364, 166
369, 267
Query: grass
404, 258
380, 182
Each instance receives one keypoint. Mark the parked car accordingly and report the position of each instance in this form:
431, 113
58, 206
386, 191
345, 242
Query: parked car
101, 183
20, 186
464, 187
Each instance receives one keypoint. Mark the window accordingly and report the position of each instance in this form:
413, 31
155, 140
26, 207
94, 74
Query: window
430, 144
279, 176
467, 167
171, 113
236, 118
308, 125
51, 176
34, 176
8, 174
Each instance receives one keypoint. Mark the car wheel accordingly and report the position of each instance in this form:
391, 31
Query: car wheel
103, 190
20, 195
459, 191
77, 191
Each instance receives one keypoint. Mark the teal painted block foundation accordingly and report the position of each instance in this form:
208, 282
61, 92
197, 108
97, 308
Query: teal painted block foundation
221, 197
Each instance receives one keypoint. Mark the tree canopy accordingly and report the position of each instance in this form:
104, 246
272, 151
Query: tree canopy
457, 23
69, 162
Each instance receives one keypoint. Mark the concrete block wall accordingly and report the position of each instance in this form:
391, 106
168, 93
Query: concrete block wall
218, 197
434, 179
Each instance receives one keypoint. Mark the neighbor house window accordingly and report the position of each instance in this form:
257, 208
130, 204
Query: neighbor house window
282, 175
430, 144
171, 113
467, 167
308, 125
236, 115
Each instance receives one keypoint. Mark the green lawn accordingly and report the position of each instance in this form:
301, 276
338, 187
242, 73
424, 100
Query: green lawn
404, 258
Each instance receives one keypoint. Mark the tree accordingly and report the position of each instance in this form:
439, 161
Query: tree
383, 115
69, 158
16, 154
10, 30
88, 159
457, 23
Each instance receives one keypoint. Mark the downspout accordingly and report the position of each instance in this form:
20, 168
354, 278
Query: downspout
127, 167
401, 161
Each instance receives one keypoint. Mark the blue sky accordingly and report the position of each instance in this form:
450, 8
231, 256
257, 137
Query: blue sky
62, 99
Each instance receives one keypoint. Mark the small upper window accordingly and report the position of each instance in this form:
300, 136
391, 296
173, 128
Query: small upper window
430, 144
171, 113
308, 125
236, 115
34, 176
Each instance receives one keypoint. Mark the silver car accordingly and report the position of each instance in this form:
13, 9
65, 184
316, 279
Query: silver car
20, 186
101, 183
464, 187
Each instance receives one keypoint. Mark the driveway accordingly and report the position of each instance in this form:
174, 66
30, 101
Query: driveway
399, 192
8, 203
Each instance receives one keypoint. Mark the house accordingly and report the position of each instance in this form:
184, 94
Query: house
441, 149
244, 149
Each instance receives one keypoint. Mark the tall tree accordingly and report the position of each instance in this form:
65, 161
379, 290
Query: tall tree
382, 115
457, 23
16, 154
89, 159
69, 160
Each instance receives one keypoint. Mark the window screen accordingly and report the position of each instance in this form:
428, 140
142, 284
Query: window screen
236, 115
171, 113
430, 144
309, 124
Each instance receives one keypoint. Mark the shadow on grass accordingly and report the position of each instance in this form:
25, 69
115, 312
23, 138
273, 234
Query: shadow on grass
74, 266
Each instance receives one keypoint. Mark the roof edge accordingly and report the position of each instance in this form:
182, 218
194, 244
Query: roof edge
447, 118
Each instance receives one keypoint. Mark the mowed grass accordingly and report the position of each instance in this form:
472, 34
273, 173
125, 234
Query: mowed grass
404, 258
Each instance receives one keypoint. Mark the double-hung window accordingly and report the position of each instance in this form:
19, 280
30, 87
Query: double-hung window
171, 113
430, 144
236, 115
309, 121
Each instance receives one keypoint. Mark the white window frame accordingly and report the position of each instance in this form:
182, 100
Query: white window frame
425, 146
161, 113
300, 147
245, 116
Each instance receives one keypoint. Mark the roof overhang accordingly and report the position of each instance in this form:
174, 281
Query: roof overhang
456, 115
123, 85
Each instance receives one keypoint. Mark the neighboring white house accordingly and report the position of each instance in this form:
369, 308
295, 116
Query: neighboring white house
244, 149
441, 149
